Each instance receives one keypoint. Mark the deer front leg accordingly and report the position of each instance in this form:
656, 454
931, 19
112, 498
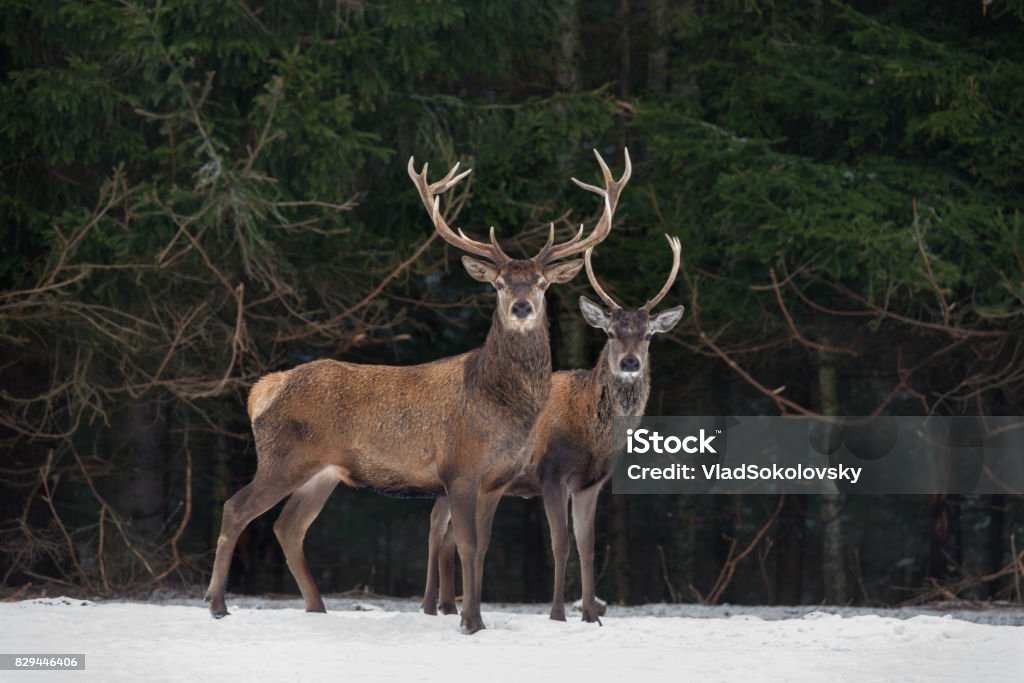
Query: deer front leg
447, 569
584, 504
462, 499
439, 518
487, 505
558, 522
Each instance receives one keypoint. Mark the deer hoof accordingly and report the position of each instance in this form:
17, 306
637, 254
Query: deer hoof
592, 616
472, 625
449, 608
429, 609
557, 616
317, 609
217, 607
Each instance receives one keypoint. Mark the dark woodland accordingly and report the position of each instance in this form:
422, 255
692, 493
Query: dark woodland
194, 193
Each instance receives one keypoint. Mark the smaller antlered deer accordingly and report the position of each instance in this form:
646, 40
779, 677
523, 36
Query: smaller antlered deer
575, 446
457, 427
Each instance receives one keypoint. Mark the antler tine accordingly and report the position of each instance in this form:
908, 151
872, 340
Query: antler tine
494, 242
610, 193
431, 201
673, 243
449, 180
542, 255
441, 185
609, 180
551, 239
576, 238
605, 171
498, 251
595, 284
575, 245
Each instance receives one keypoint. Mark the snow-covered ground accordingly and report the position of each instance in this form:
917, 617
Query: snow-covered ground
387, 640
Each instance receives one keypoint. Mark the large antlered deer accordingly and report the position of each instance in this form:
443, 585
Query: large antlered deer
575, 447
457, 427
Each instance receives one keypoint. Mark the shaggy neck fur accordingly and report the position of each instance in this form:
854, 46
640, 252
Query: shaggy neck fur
514, 368
620, 396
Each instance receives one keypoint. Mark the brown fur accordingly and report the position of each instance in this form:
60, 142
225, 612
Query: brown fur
461, 427
263, 393
458, 427
573, 455
574, 451
575, 442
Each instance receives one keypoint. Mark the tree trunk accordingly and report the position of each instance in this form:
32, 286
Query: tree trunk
142, 491
625, 67
790, 559
567, 62
572, 351
684, 545
657, 47
536, 554
725, 541
996, 536
833, 563
945, 541
620, 548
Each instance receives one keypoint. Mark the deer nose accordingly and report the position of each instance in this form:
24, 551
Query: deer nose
522, 309
630, 364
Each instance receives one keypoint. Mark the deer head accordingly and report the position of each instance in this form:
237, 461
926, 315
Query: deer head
630, 332
520, 283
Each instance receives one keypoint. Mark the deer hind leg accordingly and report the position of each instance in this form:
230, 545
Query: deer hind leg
447, 568
439, 518
290, 528
584, 503
555, 506
247, 504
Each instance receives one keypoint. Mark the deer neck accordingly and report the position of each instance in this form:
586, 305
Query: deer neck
619, 396
515, 367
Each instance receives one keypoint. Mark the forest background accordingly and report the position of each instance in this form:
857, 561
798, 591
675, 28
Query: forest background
194, 193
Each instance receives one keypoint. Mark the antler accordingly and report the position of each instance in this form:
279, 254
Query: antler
610, 192
673, 243
429, 194
597, 285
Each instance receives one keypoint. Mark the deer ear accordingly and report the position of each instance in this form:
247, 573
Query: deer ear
594, 314
560, 273
666, 320
480, 270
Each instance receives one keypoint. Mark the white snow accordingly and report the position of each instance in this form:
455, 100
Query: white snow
385, 640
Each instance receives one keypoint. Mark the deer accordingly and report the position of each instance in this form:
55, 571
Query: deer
575, 445
457, 427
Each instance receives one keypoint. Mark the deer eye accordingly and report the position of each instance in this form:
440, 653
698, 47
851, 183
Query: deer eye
647, 337
498, 284
611, 335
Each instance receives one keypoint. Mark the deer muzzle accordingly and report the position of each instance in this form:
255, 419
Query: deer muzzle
521, 310
629, 365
